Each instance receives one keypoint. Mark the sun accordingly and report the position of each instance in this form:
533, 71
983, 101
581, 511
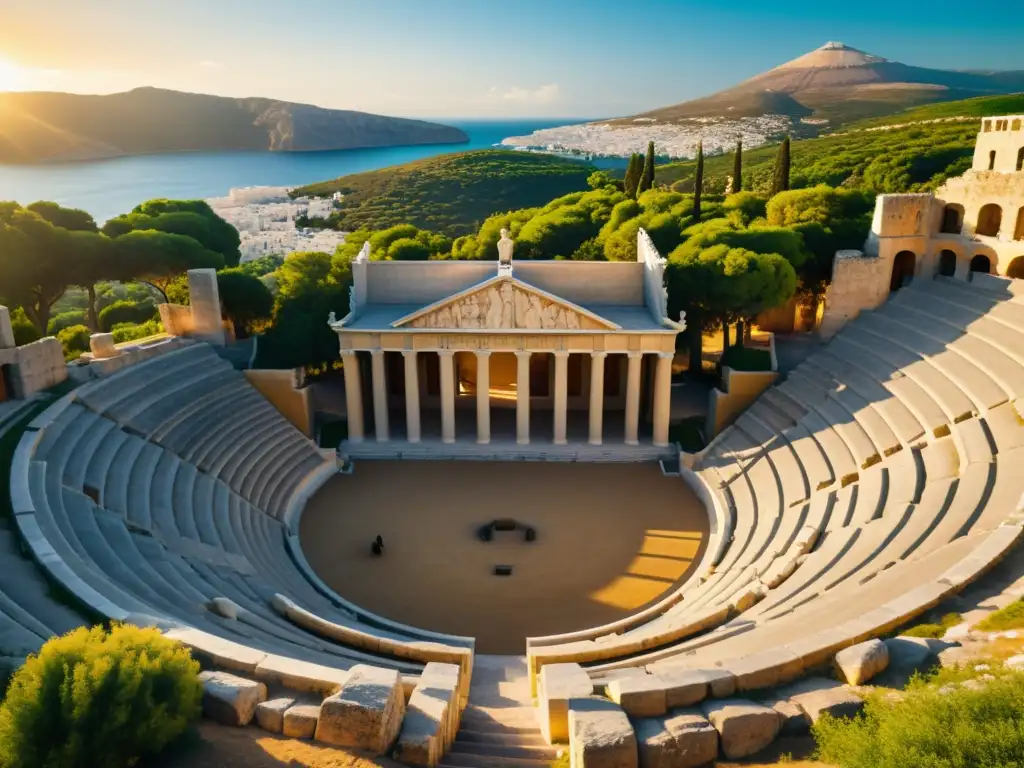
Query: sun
12, 77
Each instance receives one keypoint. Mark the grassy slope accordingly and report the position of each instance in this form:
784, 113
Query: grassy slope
922, 151
451, 193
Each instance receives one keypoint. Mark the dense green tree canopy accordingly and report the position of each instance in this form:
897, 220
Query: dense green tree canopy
244, 299
157, 258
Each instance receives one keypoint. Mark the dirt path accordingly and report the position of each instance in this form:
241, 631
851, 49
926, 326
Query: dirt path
610, 539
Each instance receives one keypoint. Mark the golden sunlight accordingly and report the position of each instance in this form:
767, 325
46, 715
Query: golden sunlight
12, 77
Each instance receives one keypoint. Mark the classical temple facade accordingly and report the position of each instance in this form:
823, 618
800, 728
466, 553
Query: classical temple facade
519, 352
972, 224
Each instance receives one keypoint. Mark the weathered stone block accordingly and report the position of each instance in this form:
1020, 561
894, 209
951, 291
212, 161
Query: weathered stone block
818, 696
743, 726
683, 687
229, 699
422, 738
682, 739
600, 735
794, 721
366, 713
300, 721
556, 685
270, 714
640, 696
859, 663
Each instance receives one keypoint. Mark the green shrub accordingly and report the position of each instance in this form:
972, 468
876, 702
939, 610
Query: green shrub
24, 331
1010, 617
948, 729
75, 340
65, 320
747, 359
125, 312
93, 699
130, 332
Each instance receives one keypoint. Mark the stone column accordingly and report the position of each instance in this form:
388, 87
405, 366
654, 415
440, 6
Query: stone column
204, 299
596, 396
633, 398
483, 396
380, 395
561, 394
353, 395
662, 397
6, 329
447, 362
523, 397
412, 396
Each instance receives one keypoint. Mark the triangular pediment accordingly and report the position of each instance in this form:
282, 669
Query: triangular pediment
505, 303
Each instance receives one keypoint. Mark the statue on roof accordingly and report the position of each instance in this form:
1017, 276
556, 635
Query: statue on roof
505, 247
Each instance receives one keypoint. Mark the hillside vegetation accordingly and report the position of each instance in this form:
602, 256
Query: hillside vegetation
912, 155
451, 194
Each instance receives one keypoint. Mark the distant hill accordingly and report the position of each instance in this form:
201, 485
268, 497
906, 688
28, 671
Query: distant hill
913, 150
451, 193
40, 127
837, 83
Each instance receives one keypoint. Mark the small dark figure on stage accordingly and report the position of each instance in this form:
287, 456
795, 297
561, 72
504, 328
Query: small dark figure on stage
377, 547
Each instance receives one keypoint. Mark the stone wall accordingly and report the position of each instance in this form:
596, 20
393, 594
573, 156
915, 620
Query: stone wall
176, 319
281, 389
972, 192
858, 282
205, 300
1003, 135
38, 366
739, 390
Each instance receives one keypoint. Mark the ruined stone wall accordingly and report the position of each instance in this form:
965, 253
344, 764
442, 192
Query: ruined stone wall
972, 192
176, 319
38, 366
280, 388
1003, 135
739, 390
859, 281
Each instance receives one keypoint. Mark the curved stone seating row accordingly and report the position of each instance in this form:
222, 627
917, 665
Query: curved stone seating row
195, 404
136, 533
890, 447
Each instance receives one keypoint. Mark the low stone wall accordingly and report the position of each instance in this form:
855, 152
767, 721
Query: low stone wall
97, 368
176, 319
36, 366
739, 390
859, 282
281, 388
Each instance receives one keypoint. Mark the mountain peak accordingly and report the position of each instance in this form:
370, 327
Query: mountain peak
833, 55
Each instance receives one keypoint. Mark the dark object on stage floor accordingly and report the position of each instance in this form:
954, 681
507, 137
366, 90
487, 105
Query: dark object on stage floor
504, 524
530, 534
377, 549
380, 541
503, 570
485, 532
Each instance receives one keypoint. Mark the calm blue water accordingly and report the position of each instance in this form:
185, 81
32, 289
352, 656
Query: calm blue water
106, 188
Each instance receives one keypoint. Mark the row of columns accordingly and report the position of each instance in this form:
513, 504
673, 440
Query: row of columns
354, 396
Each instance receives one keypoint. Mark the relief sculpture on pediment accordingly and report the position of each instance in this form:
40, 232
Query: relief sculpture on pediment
505, 306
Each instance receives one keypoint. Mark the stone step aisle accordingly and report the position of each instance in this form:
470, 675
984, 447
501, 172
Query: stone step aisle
499, 727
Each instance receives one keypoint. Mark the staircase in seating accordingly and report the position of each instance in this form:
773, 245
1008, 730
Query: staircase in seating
499, 727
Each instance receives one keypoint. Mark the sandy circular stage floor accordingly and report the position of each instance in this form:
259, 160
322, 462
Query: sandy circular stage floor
611, 538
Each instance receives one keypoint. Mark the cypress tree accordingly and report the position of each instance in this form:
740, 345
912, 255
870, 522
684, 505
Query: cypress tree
698, 181
632, 178
737, 168
780, 175
647, 177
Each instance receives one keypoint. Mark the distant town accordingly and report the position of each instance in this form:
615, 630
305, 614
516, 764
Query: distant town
670, 139
265, 220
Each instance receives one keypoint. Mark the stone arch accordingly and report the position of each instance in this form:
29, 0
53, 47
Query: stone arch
1018, 231
952, 219
990, 219
1016, 268
981, 263
992, 160
903, 266
947, 263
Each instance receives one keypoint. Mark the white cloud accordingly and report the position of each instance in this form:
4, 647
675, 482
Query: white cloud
545, 94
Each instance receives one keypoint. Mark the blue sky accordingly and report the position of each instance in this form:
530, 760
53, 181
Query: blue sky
476, 58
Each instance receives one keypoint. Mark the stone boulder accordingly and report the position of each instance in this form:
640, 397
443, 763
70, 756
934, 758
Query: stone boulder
908, 655
859, 663
366, 713
794, 721
639, 696
300, 721
600, 735
427, 729
229, 699
743, 726
682, 739
819, 696
556, 685
270, 714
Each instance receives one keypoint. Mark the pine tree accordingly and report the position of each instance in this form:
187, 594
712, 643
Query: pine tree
647, 177
633, 173
698, 181
780, 175
737, 169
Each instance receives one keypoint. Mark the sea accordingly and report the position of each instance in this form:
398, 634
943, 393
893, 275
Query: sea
106, 188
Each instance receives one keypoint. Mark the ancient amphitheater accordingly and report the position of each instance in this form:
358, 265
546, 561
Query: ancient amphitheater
882, 475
